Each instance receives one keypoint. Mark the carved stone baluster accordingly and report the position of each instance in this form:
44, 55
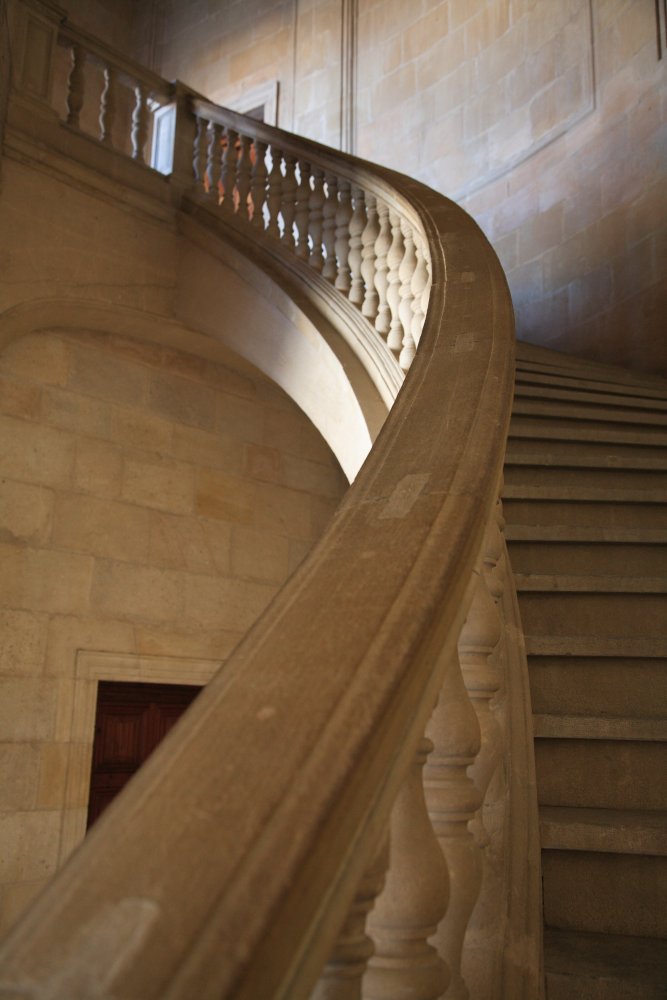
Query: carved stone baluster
357, 226
394, 260
228, 171
482, 678
199, 154
244, 177
288, 202
108, 106
343, 216
302, 211
342, 975
405, 966
329, 228
139, 122
275, 195
76, 86
405, 273
419, 284
382, 245
452, 801
213, 164
258, 184
316, 206
369, 236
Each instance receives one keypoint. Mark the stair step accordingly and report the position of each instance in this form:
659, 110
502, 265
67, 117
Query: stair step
548, 359
607, 584
584, 533
568, 410
605, 893
601, 727
552, 429
601, 773
548, 454
593, 559
604, 967
589, 513
527, 374
598, 686
577, 645
585, 494
537, 387
610, 616
615, 831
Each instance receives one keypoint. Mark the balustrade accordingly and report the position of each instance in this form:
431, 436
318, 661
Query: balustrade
359, 237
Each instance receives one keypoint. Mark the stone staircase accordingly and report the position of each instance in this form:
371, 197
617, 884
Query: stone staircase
584, 499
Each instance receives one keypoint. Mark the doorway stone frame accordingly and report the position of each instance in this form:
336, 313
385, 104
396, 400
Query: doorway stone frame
91, 668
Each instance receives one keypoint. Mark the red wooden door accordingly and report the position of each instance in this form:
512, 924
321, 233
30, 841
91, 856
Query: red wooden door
130, 721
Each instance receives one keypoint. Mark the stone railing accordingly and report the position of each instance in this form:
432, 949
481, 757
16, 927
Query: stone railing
282, 841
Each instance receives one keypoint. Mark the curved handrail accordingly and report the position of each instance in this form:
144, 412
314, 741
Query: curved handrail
244, 827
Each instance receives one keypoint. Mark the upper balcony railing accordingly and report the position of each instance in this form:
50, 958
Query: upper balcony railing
244, 858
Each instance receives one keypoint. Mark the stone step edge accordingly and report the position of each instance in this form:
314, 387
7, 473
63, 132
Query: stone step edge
566, 534
582, 646
579, 398
603, 727
579, 583
583, 962
585, 463
613, 831
584, 494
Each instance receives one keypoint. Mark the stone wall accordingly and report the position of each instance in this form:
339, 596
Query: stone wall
151, 506
546, 120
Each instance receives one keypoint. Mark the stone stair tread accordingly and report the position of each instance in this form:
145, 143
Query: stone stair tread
602, 727
547, 357
617, 831
625, 406
552, 429
534, 375
580, 965
591, 584
568, 645
616, 463
585, 494
546, 408
604, 535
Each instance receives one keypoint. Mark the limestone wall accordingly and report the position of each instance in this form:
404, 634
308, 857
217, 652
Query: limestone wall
546, 119
151, 506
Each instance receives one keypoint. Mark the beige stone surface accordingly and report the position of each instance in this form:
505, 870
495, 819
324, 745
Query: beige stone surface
131, 479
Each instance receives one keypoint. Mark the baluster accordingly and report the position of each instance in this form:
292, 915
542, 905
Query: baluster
244, 177
316, 206
419, 286
302, 210
258, 184
369, 236
382, 245
481, 676
357, 225
108, 106
405, 966
342, 975
394, 260
452, 800
213, 163
329, 228
76, 86
228, 172
405, 273
343, 216
275, 194
288, 202
139, 123
199, 154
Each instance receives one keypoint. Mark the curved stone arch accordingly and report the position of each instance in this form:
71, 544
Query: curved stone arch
286, 345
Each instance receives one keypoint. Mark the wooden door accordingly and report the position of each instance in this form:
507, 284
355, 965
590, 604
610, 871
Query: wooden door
130, 721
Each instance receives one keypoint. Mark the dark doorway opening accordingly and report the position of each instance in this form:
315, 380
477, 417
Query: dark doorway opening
130, 720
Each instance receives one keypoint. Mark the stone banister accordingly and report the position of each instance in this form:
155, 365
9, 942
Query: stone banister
237, 860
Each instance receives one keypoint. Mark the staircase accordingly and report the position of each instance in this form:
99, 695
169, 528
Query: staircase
587, 533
